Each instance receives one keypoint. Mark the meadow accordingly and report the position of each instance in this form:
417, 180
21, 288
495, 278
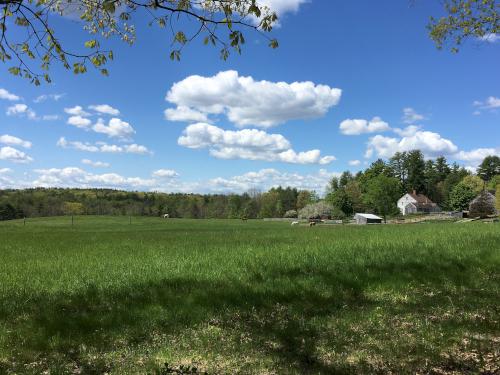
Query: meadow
226, 296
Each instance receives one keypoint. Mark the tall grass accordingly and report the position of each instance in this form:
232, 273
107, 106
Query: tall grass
234, 297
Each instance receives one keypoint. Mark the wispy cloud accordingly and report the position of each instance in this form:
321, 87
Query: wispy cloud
410, 116
45, 97
103, 147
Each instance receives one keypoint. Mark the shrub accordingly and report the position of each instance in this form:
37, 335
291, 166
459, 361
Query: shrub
316, 210
483, 205
338, 214
291, 214
7, 212
498, 199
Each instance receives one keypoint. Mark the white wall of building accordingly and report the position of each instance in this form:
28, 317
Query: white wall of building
403, 201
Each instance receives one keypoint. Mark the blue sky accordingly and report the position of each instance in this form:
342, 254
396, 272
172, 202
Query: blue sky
350, 82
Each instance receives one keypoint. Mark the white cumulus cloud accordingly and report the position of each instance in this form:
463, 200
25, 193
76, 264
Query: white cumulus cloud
15, 141
79, 122
103, 147
282, 6
116, 128
20, 109
430, 143
246, 101
265, 179
185, 114
76, 111
250, 144
4, 94
165, 173
105, 109
360, 126
77, 177
14, 155
476, 156
409, 131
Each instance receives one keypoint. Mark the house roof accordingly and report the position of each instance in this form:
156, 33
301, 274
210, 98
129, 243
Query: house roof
421, 198
369, 216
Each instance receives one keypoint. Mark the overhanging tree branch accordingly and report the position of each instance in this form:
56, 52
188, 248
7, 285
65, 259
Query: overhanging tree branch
112, 18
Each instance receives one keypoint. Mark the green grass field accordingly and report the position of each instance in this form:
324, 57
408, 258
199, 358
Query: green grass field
106, 296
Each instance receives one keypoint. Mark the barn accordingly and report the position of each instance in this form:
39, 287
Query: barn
362, 219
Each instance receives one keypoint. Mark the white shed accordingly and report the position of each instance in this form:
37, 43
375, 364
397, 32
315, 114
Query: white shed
362, 219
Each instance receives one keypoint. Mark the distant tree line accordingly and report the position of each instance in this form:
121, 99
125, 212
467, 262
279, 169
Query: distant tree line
376, 190
39, 202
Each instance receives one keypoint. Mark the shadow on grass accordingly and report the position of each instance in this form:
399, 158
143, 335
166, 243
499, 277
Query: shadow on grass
278, 306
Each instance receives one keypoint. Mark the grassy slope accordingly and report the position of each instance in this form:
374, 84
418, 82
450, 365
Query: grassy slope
106, 296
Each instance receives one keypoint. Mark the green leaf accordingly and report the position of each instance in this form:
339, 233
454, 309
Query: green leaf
180, 37
109, 6
91, 43
15, 71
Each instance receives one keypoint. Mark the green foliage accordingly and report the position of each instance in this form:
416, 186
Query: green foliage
73, 208
475, 183
53, 202
259, 297
456, 175
489, 168
464, 19
497, 196
416, 171
347, 198
304, 198
28, 35
382, 194
8, 212
461, 196
494, 183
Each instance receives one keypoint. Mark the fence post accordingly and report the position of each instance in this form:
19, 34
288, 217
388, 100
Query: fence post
24, 221
130, 219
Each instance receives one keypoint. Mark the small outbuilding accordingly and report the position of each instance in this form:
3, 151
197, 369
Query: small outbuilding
362, 219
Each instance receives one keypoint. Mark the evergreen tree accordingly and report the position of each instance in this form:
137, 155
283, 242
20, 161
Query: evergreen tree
415, 165
489, 168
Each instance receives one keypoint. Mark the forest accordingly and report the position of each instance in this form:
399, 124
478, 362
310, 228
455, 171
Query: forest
375, 189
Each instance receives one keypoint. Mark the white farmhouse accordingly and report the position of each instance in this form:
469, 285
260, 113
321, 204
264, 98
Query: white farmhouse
412, 203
